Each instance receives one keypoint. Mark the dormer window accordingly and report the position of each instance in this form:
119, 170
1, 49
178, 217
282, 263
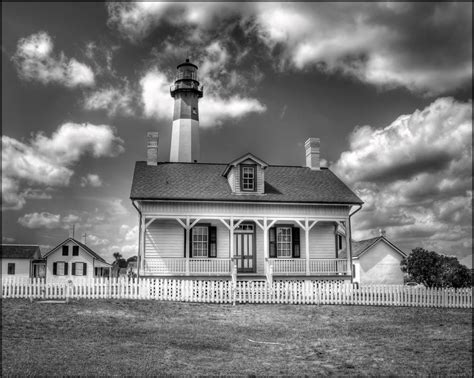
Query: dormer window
248, 178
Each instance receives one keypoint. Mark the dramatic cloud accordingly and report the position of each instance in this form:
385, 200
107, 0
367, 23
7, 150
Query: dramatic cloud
47, 161
40, 220
91, 180
424, 47
415, 177
34, 60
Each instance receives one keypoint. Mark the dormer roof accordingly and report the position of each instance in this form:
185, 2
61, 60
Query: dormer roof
241, 159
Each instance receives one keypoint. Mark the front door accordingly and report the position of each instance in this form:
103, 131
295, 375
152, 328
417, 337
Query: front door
244, 244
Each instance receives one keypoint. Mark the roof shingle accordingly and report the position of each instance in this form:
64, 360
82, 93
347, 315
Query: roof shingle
202, 181
18, 251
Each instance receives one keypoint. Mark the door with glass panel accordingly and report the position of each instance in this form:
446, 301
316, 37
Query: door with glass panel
244, 244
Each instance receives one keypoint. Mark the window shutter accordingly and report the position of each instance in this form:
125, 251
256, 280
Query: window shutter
84, 272
55, 268
272, 242
212, 241
73, 269
296, 242
184, 242
191, 243
65, 268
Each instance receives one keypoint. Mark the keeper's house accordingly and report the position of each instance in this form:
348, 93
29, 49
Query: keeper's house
244, 218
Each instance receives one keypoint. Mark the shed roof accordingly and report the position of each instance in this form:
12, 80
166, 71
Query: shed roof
19, 251
83, 246
362, 246
205, 182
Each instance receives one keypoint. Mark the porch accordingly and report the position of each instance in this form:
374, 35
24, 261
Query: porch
243, 246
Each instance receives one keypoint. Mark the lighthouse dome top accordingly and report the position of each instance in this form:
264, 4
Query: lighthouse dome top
188, 64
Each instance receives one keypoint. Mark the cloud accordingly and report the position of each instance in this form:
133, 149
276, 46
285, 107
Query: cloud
415, 176
34, 60
91, 180
40, 220
115, 101
47, 161
424, 47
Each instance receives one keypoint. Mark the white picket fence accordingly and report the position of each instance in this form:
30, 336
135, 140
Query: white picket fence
224, 291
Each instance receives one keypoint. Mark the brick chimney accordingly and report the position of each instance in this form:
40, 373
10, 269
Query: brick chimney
152, 148
311, 147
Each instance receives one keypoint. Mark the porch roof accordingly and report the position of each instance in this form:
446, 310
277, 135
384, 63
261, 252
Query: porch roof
204, 182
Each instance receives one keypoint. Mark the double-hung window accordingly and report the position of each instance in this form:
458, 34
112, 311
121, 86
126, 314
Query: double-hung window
60, 268
248, 178
79, 269
284, 244
65, 250
200, 241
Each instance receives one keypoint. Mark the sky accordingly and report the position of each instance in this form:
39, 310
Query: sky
387, 87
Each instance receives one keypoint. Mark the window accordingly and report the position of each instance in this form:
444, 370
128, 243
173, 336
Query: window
11, 268
203, 241
284, 242
65, 250
283, 239
75, 250
200, 241
79, 269
247, 173
60, 268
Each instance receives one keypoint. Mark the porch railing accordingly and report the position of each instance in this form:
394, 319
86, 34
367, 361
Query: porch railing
316, 266
170, 266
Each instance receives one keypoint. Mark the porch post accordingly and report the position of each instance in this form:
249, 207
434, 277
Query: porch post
231, 236
306, 241
188, 246
141, 250
265, 247
348, 247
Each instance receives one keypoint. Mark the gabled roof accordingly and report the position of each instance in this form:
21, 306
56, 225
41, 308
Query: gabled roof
241, 159
362, 246
83, 246
204, 182
20, 251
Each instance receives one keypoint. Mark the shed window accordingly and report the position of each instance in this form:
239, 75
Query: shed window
11, 268
248, 178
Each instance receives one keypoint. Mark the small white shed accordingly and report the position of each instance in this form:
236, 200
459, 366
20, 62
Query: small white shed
17, 259
376, 261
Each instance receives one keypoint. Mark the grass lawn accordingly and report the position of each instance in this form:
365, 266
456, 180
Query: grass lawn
125, 337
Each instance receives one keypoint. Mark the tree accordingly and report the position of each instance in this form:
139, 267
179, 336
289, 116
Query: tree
434, 270
119, 262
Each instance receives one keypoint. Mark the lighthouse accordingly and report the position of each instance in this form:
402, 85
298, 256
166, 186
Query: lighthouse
186, 92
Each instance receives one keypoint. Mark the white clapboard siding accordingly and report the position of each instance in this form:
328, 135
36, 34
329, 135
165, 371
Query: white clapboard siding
164, 238
223, 291
322, 241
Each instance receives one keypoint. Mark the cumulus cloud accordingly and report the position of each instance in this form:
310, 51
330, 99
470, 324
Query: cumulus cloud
383, 44
114, 100
91, 180
34, 60
415, 177
40, 220
47, 161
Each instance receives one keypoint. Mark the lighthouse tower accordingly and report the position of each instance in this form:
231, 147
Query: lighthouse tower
186, 92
